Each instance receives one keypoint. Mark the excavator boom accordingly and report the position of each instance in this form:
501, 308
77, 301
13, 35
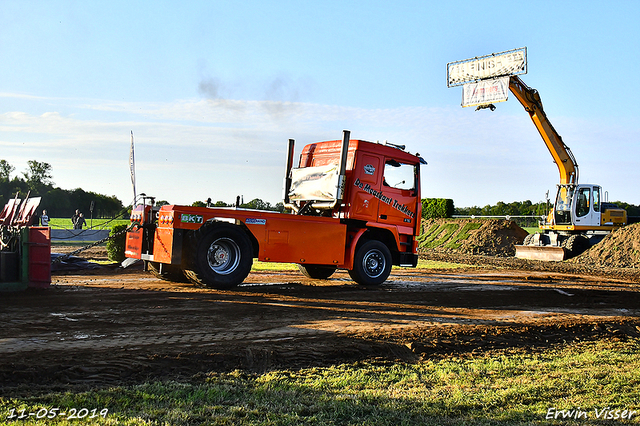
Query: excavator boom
562, 155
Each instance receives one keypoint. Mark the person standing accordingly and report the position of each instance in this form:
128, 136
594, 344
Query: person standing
80, 221
74, 219
44, 219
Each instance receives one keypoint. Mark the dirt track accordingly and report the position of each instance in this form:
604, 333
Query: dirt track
113, 327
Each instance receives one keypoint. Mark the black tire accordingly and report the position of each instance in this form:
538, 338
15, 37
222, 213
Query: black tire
528, 239
576, 244
173, 273
317, 272
371, 264
222, 256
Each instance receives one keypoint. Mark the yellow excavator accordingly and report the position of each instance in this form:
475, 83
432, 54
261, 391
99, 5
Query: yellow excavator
580, 217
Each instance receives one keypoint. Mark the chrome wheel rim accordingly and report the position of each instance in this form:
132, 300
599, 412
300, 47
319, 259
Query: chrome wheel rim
374, 263
223, 256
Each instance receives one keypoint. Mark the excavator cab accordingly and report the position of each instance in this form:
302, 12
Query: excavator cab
578, 205
587, 206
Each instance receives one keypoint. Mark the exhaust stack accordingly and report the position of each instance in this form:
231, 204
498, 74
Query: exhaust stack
287, 172
344, 151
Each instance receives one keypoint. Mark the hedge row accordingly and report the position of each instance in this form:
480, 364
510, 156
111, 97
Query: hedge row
116, 246
434, 208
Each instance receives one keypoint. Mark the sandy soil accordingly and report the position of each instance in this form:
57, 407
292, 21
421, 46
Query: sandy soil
113, 326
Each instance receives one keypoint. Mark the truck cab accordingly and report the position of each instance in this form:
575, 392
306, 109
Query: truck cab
382, 183
381, 191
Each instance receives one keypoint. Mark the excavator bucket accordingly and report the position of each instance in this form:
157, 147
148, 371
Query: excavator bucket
548, 253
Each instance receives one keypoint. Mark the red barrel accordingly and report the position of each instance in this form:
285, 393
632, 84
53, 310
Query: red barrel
39, 256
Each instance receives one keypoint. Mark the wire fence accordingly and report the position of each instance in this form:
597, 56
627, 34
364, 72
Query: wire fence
521, 220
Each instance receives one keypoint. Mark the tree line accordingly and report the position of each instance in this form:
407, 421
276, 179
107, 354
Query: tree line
255, 204
527, 208
515, 208
443, 207
37, 181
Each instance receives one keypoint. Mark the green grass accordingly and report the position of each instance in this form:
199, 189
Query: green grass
501, 388
422, 264
63, 223
436, 264
532, 229
273, 266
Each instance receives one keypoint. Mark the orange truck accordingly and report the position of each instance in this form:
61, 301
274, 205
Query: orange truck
350, 204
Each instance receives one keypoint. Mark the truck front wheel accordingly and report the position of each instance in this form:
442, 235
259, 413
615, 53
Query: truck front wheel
371, 264
222, 257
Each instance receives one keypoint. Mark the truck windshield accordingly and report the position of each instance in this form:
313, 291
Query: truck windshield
398, 175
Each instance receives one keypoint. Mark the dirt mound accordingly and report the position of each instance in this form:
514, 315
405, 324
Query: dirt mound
496, 238
471, 236
620, 249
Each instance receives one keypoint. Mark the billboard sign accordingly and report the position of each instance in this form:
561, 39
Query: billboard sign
485, 92
507, 63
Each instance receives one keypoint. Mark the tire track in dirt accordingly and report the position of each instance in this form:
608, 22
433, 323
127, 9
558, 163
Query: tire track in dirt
126, 327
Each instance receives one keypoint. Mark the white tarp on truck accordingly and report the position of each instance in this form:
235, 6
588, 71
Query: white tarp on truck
314, 183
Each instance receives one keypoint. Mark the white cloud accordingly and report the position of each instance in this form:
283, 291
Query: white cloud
193, 149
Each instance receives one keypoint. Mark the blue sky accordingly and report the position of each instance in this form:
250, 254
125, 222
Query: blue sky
213, 90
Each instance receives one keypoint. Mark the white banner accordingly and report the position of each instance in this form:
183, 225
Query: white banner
132, 167
495, 65
485, 92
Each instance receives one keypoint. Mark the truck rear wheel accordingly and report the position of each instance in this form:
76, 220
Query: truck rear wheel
317, 272
372, 263
222, 257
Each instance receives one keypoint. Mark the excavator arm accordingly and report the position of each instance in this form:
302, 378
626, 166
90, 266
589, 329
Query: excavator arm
562, 155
